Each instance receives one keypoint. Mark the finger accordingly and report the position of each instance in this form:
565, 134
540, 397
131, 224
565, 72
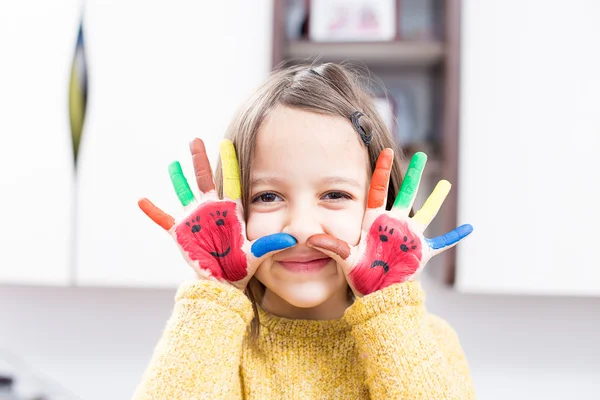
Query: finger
410, 184
433, 203
270, 243
180, 184
202, 169
231, 170
380, 179
330, 245
156, 214
449, 239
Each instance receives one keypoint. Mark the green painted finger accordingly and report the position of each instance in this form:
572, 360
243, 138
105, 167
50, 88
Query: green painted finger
180, 184
411, 181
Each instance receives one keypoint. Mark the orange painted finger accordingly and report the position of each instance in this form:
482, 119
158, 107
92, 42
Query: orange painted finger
380, 179
329, 243
202, 169
156, 214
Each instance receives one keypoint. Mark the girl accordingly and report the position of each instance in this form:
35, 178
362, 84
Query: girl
306, 257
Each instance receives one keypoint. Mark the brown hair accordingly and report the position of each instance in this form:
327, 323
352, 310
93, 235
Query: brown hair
330, 89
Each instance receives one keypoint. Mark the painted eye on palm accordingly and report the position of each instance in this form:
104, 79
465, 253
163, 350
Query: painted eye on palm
195, 228
392, 248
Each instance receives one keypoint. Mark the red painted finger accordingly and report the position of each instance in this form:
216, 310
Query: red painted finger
329, 243
156, 214
202, 169
380, 179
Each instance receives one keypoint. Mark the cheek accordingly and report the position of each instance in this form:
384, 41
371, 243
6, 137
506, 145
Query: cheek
346, 224
263, 224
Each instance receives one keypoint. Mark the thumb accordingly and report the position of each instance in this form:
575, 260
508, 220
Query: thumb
442, 243
266, 245
330, 245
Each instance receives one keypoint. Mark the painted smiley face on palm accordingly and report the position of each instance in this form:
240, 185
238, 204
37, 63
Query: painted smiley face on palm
393, 253
212, 235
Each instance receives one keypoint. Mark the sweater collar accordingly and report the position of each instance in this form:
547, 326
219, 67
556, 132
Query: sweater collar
302, 327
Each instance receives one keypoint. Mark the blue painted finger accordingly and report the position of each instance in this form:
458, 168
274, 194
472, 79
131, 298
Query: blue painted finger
450, 238
267, 244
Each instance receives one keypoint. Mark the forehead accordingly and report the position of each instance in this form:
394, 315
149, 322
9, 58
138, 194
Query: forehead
294, 142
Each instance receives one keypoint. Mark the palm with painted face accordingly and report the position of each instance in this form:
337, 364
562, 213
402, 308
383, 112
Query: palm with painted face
392, 248
212, 234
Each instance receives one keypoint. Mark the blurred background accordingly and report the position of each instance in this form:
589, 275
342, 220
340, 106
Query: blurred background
98, 97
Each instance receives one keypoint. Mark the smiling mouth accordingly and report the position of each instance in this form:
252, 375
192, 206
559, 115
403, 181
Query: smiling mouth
305, 266
223, 254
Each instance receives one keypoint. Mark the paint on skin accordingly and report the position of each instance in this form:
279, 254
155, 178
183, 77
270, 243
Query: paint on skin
182, 189
212, 235
393, 254
411, 180
448, 239
267, 244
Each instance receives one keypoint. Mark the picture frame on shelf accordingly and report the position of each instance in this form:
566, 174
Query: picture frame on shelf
417, 20
353, 20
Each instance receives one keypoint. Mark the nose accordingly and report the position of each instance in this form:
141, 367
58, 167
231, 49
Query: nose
303, 221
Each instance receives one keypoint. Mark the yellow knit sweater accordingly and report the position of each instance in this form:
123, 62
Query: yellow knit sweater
385, 347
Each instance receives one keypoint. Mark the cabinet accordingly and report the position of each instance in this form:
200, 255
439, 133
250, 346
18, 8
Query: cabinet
529, 141
160, 74
37, 40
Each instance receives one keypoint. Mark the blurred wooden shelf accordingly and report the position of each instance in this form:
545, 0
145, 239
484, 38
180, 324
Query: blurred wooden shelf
373, 54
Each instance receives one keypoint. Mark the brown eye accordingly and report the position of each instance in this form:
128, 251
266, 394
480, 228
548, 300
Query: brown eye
336, 196
266, 198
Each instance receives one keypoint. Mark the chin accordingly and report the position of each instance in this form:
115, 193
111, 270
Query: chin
306, 294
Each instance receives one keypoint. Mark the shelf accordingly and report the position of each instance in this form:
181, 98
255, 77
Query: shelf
378, 54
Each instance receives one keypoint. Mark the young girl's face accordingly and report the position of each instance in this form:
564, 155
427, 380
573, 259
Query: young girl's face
310, 175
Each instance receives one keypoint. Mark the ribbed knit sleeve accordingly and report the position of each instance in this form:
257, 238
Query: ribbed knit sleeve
199, 353
407, 353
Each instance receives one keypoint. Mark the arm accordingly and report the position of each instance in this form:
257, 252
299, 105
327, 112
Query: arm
404, 354
199, 353
407, 353
200, 349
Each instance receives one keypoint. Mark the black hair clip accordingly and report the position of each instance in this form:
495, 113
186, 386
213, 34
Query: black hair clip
366, 137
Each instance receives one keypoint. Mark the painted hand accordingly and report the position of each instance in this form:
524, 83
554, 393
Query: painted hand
212, 234
392, 247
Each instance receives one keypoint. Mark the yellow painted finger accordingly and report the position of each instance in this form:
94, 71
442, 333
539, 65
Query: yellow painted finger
433, 204
231, 170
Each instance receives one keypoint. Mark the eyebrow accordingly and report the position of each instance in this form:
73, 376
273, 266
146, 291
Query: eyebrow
273, 180
267, 180
341, 179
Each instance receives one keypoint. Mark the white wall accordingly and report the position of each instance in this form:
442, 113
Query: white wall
528, 146
97, 341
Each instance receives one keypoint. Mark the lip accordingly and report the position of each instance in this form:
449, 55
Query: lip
310, 265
